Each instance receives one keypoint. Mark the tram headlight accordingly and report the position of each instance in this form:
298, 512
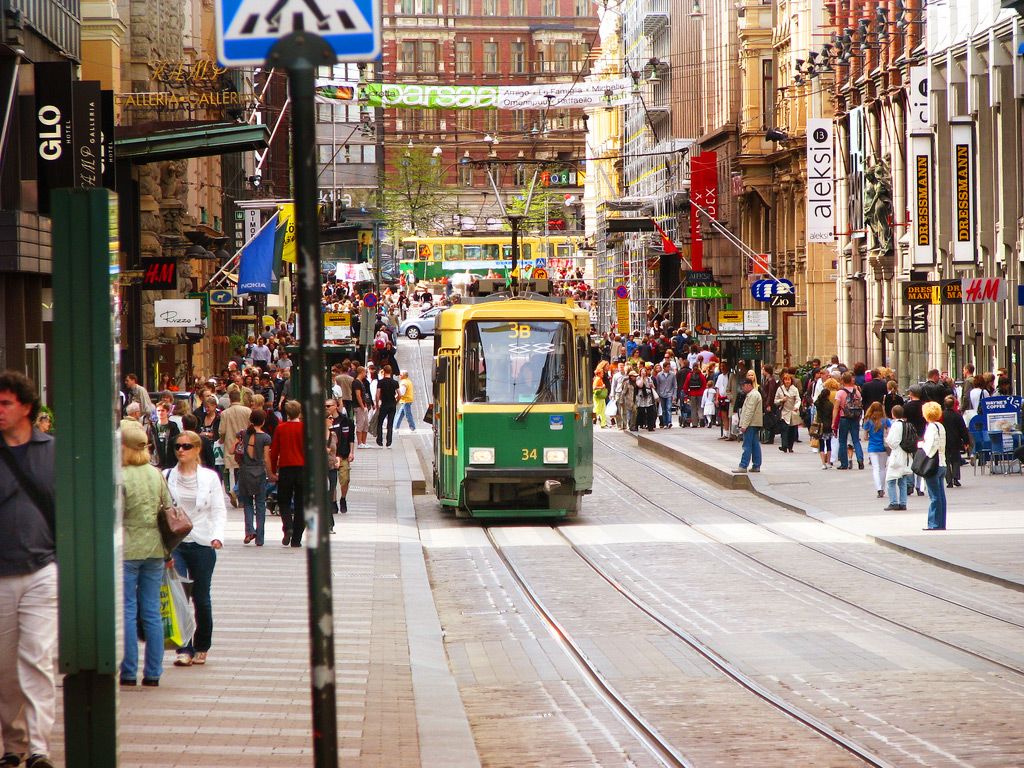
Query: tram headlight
556, 455
481, 455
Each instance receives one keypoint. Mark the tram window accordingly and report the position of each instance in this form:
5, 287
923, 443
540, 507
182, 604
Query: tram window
453, 251
438, 253
490, 250
424, 252
472, 251
513, 361
563, 252
526, 251
409, 252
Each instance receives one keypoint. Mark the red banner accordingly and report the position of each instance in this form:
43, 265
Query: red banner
703, 192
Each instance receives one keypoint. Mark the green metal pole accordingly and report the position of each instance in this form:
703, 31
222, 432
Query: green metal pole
300, 53
85, 257
514, 221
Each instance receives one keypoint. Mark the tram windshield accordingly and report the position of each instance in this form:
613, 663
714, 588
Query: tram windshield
518, 361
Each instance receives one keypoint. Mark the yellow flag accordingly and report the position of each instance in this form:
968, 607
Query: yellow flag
286, 232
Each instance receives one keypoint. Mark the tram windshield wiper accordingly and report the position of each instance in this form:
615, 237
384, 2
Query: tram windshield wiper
540, 394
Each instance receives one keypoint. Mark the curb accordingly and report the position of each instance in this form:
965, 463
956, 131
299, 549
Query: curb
762, 488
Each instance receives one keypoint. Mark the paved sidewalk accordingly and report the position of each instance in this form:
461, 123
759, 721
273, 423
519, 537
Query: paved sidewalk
250, 705
985, 519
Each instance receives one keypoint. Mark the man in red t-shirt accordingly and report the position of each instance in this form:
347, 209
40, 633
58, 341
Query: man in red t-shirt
287, 460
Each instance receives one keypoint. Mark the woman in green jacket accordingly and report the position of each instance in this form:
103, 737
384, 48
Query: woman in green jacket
144, 557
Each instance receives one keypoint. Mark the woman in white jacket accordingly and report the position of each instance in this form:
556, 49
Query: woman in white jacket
199, 492
934, 444
899, 479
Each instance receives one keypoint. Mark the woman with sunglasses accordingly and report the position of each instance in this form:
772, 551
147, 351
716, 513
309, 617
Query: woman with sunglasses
198, 491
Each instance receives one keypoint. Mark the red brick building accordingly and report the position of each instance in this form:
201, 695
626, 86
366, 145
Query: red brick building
488, 42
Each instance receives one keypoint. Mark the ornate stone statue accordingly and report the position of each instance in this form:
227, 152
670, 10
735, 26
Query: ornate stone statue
878, 205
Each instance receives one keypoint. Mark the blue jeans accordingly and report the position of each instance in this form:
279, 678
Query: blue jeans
255, 507
936, 499
196, 562
142, 580
751, 448
405, 411
848, 429
666, 411
898, 490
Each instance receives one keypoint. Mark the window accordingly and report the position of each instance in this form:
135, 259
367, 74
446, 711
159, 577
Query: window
462, 8
428, 119
520, 180
428, 7
408, 7
490, 58
516, 7
463, 57
324, 153
490, 7
540, 61
549, 7
767, 94
324, 113
519, 119
518, 58
369, 153
427, 64
491, 120
582, 7
562, 57
517, 362
464, 119
466, 175
407, 57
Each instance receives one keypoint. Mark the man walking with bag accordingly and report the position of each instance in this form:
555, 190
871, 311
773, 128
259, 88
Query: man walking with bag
751, 420
28, 577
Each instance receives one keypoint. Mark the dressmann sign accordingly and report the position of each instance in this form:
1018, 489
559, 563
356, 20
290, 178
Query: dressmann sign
962, 161
820, 182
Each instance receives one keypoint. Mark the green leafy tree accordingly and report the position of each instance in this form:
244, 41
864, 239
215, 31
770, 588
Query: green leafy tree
416, 200
545, 204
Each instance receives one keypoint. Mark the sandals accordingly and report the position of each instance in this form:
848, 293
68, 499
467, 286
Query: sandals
199, 658
183, 660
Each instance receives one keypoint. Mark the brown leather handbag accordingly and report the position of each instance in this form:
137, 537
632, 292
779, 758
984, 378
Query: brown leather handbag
173, 522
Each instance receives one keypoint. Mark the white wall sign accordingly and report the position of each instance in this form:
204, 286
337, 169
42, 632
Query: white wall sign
252, 224
177, 313
855, 177
919, 117
920, 191
964, 191
820, 182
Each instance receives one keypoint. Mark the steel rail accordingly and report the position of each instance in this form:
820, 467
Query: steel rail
727, 668
797, 579
654, 742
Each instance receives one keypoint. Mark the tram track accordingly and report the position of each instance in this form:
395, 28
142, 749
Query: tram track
645, 732
799, 580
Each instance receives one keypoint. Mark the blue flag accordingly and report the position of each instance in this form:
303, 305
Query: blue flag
256, 263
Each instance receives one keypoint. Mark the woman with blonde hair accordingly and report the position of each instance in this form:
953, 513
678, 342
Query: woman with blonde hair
142, 571
934, 445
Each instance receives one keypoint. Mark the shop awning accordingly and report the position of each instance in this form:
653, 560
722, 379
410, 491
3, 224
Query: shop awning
197, 141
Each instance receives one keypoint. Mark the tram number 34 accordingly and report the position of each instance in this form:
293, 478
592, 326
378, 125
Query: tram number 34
519, 331
529, 454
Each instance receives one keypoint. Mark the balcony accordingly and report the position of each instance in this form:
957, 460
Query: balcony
57, 22
655, 20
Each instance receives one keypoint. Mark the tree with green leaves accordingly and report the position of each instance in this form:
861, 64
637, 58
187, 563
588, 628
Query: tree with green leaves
416, 200
545, 204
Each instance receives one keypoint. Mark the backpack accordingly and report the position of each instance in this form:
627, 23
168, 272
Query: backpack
908, 442
239, 449
695, 386
853, 408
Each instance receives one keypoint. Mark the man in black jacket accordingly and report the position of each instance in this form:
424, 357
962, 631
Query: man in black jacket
28, 576
958, 439
934, 389
873, 391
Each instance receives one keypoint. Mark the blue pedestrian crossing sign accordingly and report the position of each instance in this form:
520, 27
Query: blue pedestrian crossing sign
248, 29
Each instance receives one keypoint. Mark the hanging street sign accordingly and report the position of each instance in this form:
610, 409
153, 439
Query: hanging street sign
766, 290
370, 300
696, 276
783, 300
705, 292
248, 29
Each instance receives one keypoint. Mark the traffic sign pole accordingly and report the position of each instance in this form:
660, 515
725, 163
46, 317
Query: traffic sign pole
300, 53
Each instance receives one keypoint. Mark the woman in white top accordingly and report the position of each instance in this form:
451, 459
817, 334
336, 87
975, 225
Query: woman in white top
198, 491
934, 444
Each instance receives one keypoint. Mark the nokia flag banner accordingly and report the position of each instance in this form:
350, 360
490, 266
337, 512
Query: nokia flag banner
821, 222
919, 117
256, 263
919, 177
962, 161
600, 93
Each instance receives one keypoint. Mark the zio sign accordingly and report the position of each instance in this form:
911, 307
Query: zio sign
820, 182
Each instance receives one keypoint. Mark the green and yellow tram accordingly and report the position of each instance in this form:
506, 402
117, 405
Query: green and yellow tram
512, 408
431, 258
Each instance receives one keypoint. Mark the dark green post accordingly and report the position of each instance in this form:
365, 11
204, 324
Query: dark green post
85, 259
515, 220
300, 53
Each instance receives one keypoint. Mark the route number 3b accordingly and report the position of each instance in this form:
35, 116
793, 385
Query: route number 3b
529, 454
519, 331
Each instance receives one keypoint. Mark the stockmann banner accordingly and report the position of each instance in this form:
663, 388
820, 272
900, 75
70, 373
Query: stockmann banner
601, 93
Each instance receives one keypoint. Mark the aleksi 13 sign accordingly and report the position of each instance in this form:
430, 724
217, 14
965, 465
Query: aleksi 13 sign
820, 182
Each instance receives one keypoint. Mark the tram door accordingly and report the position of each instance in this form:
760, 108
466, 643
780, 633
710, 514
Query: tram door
448, 404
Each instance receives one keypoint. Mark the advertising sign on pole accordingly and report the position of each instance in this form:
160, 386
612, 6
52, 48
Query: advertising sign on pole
704, 192
54, 143
919, 116
922, 246
820, 182
962, 161
622, 315
86, 130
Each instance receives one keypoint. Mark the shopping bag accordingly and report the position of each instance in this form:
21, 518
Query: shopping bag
371, 418
611, 409
175, 612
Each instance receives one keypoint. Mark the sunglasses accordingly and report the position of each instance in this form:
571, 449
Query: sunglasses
183, 446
